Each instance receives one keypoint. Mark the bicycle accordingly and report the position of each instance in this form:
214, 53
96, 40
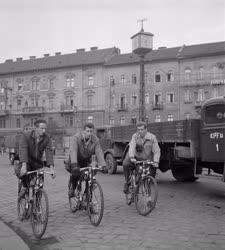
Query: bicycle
88, 200
34, 203
142, 185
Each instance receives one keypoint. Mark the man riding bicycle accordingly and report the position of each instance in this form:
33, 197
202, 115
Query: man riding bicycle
143, 146
35, 148
84, 145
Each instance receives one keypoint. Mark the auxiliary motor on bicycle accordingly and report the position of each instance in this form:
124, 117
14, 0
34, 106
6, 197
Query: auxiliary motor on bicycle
88, 194
34, 203
142, 187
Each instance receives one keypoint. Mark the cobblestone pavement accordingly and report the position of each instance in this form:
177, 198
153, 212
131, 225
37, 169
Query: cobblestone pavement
187, 216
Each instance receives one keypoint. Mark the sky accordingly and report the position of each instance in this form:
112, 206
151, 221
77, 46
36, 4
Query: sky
38, 27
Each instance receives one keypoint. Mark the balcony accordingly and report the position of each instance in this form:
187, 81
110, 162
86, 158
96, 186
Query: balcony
33, 110
157, 106
4, 112
121, 108
68, 109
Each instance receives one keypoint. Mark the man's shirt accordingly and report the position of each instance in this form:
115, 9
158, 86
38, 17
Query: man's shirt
151, 150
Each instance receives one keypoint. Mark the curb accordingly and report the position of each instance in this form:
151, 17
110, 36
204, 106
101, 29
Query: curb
9, 239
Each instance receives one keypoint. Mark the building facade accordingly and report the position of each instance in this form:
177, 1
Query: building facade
102, 86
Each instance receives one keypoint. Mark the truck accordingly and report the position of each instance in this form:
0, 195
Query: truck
187, 146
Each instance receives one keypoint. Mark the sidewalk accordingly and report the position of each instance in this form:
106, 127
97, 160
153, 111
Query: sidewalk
9, 240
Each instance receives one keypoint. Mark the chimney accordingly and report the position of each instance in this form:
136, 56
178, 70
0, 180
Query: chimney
19, 59
163, 47
57, 53
46, 55
8, 60
93, 48
32, 57
80, 50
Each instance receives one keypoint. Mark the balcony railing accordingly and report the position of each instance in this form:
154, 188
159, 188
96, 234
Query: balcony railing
68, 108
123, 107
4, 112
33, 110
157, 106
207, 79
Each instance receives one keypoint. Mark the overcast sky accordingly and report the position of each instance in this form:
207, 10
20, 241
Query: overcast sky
35, 27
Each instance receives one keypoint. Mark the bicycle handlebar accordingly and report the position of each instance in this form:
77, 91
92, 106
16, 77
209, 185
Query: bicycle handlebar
41, 170
144, 161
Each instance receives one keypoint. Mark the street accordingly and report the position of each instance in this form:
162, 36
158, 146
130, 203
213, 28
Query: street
187, 215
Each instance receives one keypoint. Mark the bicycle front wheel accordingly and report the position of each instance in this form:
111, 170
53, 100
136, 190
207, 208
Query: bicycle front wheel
39, 213
95, 203
146, 195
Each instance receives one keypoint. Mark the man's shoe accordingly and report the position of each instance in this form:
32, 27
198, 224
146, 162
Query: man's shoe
71, 193
126, 188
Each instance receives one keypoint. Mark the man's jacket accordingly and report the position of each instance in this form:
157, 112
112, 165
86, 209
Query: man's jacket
81, 150
151, 150
31, 151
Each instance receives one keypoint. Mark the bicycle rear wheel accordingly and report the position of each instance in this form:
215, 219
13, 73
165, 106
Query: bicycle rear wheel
39, 213
95, 203
146, 195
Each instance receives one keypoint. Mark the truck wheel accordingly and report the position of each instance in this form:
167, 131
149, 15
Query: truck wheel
181, 173
111, 164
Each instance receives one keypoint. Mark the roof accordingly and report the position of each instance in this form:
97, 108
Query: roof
183, 52
96, 56
214, 100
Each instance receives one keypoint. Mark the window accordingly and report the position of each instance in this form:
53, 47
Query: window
122, 101
133, 120
122, 120
71, 121
2, 105
147, 99
201, 73
19, 86
26, 104
51, 84
18, 123
35, 84
134, 78
187, 96
111, 121
170, 118
90, 81
69, 101
158, 99
112, 81
51, 103
19, 102
157, 118
170, 76
113, 100
89, 100
134, 99
123, 79
187, 116
2, 123
201, 95
170, 97
2, 90
70, 81
34, 102
157, 76
187, 74
214, 114
90, 119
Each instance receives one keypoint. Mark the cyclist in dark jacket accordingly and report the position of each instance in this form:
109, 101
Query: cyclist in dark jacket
34, 148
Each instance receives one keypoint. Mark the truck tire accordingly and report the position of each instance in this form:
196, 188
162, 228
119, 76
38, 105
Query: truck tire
111, 164
181, 173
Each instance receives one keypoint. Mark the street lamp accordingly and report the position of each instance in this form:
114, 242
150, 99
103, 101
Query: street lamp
141, 45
